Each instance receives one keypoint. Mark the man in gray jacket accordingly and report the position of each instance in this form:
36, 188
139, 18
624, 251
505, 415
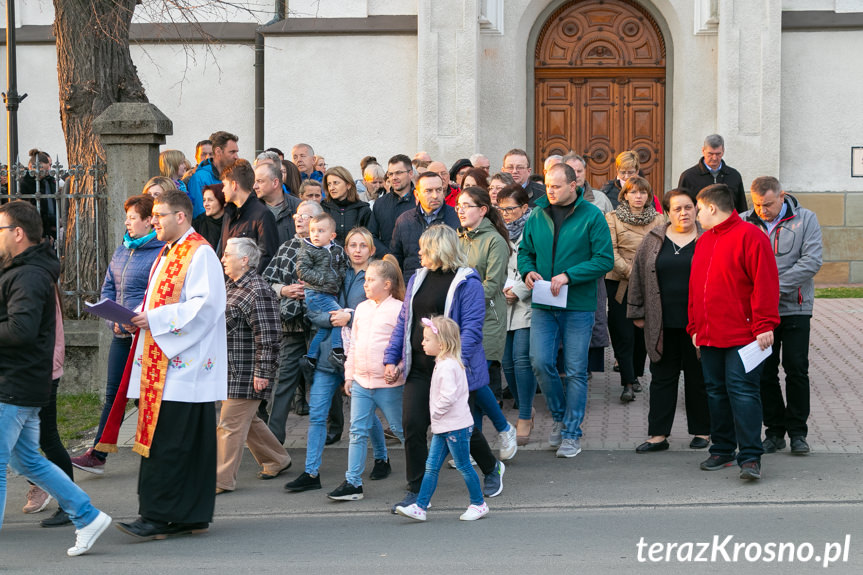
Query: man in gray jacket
796, 240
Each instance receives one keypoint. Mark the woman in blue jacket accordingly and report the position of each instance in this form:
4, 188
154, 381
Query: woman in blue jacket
444, 285
125, 283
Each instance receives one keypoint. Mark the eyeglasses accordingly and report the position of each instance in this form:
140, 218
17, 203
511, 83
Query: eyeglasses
159, 216
8, 227
398, 173
514, 168
464, 207
508, 211
303, 217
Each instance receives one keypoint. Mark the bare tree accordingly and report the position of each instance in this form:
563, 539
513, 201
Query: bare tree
95, 70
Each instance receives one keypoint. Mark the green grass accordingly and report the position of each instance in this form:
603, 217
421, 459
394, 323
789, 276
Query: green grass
839, 292
77, 414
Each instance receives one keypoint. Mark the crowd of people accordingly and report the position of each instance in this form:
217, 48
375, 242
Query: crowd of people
424, 294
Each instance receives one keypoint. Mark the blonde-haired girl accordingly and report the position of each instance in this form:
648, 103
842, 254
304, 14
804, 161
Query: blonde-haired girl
451, 419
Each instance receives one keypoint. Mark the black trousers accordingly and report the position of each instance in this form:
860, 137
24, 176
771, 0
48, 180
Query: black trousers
416, 421
626, 339
177, 483
678, 354
791, 340
49, 437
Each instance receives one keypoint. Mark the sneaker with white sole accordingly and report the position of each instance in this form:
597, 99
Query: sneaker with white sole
508, 443
346, 492
475, 512
569, 448
87, 535
37, 500
89, 463
412, 511
556, 435
451, 462
493, 482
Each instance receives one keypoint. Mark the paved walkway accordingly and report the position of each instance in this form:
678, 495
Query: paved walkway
835, 423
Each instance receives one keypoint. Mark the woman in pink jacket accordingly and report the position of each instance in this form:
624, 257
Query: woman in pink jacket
374, 321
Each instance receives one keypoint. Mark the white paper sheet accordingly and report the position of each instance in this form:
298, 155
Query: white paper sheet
752, 355
542, 294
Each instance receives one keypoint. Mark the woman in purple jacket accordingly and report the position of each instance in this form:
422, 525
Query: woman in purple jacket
444, 285
125, 283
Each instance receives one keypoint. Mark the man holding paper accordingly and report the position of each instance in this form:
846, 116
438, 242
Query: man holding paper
565, 248
178, 369
733, 302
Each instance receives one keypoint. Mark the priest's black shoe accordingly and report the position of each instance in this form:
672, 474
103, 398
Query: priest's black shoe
146, 529
188, 528
647, 447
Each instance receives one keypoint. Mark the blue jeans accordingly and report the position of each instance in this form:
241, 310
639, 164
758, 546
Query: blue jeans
547, 329
517, 370
320, 398
19, 449
485, 403
118, 353
458, 444
322, 302
734, 401
363, 418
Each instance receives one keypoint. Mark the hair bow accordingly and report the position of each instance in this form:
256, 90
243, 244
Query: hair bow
428, 323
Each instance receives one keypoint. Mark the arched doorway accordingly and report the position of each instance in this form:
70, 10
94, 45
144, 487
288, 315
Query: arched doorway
599, 72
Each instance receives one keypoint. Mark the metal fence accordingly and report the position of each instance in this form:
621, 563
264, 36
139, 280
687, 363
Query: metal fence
71, 202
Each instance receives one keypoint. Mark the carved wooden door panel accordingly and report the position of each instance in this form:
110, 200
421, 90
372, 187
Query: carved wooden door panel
600, 87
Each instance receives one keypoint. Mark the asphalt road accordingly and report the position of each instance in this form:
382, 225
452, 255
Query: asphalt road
602, 512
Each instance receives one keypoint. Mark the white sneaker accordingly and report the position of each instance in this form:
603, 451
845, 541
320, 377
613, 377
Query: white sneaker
87, 535
451, 462
475, 512
508, 443
413, 511
555, 438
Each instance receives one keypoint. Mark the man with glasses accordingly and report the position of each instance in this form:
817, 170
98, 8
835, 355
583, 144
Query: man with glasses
28, 315
392, 204
281, 273
178, 373
431, 209
517, 164
710, 170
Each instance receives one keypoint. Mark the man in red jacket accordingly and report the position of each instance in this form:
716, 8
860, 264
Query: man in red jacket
733, 302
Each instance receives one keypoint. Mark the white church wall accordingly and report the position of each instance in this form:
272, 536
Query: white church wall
361, 99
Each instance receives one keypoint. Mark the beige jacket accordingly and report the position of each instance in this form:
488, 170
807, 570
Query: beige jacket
625, 239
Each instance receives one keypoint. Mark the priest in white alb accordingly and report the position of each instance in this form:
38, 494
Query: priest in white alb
178, 370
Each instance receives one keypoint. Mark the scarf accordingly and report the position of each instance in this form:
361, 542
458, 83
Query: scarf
516, 227
627, 217
134, 244
167, 289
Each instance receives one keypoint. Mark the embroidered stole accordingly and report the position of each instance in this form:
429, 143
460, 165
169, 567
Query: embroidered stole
168, 287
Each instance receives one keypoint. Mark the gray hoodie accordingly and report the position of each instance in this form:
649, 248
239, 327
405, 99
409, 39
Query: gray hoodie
796, 243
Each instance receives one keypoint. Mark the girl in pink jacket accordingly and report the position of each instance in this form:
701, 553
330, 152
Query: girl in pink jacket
374, 321
451, 420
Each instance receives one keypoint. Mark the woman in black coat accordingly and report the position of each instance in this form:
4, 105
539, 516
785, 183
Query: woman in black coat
343, 203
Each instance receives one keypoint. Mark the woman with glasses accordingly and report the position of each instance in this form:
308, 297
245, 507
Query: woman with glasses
485, 240
513, 206
496, 183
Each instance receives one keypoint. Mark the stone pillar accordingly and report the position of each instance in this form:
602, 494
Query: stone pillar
749, 77
448, 78
131, 134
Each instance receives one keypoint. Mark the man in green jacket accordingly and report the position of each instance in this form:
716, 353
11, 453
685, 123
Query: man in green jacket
566, 242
